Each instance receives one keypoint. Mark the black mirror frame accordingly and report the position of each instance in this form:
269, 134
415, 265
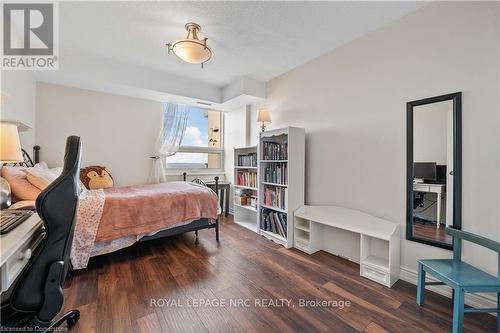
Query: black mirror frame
457, 165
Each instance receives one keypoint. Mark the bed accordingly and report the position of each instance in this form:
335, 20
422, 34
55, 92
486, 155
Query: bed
115, 218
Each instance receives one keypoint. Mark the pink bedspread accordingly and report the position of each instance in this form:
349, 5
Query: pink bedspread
139, 210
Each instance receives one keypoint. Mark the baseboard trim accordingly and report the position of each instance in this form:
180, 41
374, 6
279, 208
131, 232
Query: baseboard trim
479, 300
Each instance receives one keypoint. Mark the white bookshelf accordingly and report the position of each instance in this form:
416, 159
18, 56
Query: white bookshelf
292, 183
244, 214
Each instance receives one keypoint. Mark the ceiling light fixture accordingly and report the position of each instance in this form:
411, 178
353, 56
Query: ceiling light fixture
191, 49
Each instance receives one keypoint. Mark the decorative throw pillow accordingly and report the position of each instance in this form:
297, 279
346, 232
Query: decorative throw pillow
41, 176
96, 177
21, 188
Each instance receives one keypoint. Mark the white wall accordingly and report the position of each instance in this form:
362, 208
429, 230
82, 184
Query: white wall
18, 90
352, 102
430, 132
117, 132
235, 129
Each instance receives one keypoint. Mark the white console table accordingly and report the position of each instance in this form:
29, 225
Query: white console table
379, 238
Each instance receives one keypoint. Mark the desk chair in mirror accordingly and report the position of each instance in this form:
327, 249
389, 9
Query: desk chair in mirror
433, 169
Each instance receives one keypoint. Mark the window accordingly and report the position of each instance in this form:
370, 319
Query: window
201, 147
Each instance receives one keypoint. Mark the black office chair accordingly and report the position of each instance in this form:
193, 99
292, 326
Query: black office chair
37, 295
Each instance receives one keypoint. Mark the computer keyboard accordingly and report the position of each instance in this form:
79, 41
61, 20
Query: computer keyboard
11, 218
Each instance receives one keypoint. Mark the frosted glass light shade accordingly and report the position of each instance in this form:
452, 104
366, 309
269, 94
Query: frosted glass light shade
264, 116
10, 146
192, 51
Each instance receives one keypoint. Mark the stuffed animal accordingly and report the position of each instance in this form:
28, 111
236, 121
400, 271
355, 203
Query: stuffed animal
95, 177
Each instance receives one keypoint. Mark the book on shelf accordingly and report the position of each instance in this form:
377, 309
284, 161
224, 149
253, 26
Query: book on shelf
253, 201
275, 197
247, 160
275, 150
244, 197
276, 173
274, 222
246, 178
277, 221
274, 228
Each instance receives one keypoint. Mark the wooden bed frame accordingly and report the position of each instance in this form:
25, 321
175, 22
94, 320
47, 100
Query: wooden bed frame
192, 226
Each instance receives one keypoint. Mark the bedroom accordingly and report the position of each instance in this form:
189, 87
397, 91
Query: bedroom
344, 84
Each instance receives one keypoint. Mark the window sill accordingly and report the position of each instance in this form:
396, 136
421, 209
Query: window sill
194, 172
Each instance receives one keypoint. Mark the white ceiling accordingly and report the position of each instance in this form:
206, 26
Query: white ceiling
260, 40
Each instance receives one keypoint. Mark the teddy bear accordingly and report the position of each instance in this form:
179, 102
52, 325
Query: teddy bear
96, 177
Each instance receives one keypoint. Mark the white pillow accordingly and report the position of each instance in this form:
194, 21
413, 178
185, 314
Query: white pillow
41, 176
41, 165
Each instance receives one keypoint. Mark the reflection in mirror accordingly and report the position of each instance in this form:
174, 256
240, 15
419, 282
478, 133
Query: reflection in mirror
432, 176
432, 157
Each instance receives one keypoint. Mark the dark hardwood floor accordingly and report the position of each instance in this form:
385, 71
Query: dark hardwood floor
114, 293
429, 231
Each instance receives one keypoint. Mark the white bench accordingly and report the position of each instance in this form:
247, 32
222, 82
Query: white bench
379, 239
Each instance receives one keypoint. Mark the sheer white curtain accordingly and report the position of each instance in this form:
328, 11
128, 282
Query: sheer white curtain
175, 118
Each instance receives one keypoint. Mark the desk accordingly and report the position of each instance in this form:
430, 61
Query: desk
224, 188
439, 189
16, 249
379, 239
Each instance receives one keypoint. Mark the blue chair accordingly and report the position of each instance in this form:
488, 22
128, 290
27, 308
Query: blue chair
460, 276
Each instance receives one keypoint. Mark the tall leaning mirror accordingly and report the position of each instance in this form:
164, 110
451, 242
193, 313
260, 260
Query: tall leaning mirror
434, 169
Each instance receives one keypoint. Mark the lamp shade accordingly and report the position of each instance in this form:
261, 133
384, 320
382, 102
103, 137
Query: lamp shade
10, 146
191, 51
264, 116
